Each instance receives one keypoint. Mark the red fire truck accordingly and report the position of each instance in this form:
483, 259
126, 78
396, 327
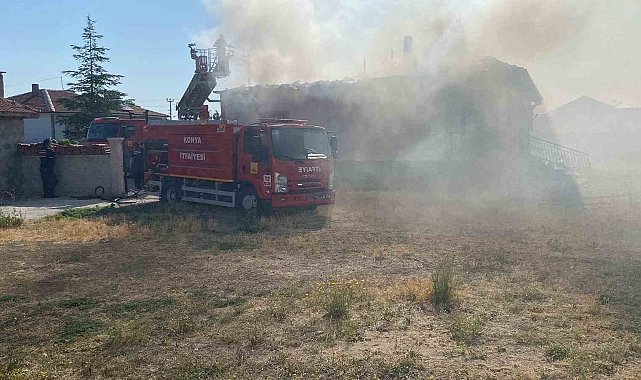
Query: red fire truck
273, 163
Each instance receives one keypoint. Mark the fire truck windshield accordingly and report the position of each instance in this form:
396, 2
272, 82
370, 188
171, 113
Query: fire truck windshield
101, 132
300, 143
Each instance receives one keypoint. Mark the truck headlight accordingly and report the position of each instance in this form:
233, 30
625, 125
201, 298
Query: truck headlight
330, 184
280, 183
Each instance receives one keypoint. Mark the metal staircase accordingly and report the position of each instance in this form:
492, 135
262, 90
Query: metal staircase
559, 155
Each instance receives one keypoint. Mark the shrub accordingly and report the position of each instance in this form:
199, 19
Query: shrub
13, 220
557, 352
467, 330
442, 285
336, 298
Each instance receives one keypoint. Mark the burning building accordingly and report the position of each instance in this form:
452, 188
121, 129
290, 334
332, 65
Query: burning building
475, 125
487, 110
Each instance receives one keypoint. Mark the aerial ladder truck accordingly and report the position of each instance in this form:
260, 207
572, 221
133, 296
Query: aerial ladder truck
274, 163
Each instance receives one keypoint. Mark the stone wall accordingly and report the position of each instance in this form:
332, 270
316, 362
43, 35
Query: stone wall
79, 175
11, 133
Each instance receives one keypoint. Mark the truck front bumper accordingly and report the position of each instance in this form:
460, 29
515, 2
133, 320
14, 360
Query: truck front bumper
304, 199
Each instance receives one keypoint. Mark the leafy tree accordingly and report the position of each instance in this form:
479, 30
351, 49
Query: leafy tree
94, 86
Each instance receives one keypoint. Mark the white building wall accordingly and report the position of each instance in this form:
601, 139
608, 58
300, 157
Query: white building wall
38, 129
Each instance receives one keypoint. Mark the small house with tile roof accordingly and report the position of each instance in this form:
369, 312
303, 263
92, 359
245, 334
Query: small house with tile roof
12, 116
49, 104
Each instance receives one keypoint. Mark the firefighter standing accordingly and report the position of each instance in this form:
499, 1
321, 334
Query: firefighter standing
138, 165
222, 55
47, 169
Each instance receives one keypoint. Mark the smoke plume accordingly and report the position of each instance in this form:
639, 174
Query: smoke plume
304, 40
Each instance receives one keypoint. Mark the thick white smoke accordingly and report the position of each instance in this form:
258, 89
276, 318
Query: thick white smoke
563, 43
290, 40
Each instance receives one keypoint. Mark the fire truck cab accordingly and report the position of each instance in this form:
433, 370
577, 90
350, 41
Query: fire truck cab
273, 163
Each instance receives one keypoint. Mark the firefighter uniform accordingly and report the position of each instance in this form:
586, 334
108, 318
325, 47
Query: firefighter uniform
138, 166
47, 172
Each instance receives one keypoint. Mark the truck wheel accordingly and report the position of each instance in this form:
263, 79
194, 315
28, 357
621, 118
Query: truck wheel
171, 192
247, 199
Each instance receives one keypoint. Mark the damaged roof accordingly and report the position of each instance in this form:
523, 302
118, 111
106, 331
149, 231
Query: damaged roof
517, 77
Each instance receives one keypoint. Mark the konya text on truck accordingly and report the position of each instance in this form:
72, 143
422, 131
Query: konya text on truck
273, 163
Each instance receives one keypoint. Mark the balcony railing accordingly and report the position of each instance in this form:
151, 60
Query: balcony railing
560, 155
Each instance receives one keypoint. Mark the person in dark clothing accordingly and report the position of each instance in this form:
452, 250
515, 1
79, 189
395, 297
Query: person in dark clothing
47, 169
138, 165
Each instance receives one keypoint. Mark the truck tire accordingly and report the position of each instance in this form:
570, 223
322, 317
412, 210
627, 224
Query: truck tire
171, 192
247, 199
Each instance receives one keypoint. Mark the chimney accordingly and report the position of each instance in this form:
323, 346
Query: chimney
1, 85
35, 88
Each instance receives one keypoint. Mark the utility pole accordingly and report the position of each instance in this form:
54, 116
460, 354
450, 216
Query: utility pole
170, 100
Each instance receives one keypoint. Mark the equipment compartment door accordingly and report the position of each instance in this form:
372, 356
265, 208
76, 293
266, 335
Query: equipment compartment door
253, 160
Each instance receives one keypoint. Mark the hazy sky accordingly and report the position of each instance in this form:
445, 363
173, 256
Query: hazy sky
571, 48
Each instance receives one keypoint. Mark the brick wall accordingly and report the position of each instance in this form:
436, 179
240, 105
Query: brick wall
11, 133
79, 175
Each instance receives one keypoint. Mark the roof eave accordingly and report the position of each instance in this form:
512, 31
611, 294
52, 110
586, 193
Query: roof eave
23, 115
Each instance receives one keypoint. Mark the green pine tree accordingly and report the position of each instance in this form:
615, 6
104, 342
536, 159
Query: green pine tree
94, 86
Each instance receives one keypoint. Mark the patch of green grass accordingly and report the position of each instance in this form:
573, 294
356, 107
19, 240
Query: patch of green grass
80, 213
232, 245
558, 352
467, 330
128, 335
351, 332
236, 301
442, 287
198, 371
77, 303
604, 359
405, 367
143, 306
6, 298
76, 328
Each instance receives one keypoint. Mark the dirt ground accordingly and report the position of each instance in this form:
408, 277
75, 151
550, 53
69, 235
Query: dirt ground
348, 291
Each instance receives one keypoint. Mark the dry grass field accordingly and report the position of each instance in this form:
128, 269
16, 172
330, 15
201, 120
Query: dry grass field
382, 285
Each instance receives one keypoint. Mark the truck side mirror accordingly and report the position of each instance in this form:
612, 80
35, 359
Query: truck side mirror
333, 143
